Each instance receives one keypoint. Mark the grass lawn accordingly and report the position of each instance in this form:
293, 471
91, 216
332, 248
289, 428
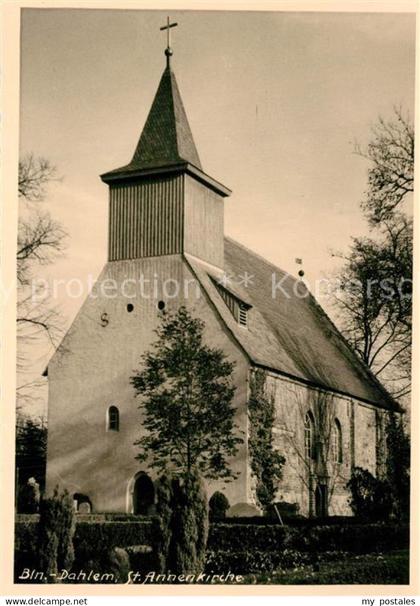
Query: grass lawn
372, 569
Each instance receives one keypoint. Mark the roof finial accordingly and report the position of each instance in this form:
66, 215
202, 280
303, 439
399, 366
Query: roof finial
301, 273
168, 50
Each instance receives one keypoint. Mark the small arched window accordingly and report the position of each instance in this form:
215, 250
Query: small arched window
309, 436
337, 442
113, 419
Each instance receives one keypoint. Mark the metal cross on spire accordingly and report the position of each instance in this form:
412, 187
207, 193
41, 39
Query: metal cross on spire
167, 27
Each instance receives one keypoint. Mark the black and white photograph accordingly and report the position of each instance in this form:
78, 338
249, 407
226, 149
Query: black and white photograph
214, 278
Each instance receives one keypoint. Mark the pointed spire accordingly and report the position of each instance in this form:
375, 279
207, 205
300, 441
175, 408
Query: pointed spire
166, 138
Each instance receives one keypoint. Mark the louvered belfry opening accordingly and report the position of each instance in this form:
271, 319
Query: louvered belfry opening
145, 218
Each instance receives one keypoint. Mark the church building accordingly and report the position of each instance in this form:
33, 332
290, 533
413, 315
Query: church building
166, 249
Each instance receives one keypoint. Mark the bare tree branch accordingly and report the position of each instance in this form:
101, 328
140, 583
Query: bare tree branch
40, 240
322, 467
374, 300
35, 174
391, 171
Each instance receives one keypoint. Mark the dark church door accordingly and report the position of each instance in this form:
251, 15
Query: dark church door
143, 495
321, 501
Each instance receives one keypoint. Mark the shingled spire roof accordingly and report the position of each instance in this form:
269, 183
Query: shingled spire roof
166, 139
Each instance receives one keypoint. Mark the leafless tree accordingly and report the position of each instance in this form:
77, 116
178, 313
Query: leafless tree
317, 460
35, 174
374, 300
391, 171
40, 240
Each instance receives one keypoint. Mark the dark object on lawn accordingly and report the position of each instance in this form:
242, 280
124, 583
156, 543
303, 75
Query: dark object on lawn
119, 564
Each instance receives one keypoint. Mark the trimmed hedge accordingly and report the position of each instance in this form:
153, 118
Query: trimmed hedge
97, 536
93, 542
354, 539
240, 548
298, 521
105, 535
93, 535
26, 534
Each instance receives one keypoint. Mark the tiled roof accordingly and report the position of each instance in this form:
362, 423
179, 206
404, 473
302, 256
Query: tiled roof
166, 139
289, 333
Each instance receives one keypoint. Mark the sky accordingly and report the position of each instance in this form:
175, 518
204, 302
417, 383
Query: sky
275, 102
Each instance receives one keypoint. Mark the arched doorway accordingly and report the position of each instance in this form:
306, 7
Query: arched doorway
321, 501
82, 503
143, 495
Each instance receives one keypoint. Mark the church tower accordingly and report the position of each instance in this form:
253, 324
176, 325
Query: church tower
162, 202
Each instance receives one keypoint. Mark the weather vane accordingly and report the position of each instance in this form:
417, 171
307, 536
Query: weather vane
167, 27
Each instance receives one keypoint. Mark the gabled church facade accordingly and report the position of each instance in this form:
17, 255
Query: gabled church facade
166, 248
